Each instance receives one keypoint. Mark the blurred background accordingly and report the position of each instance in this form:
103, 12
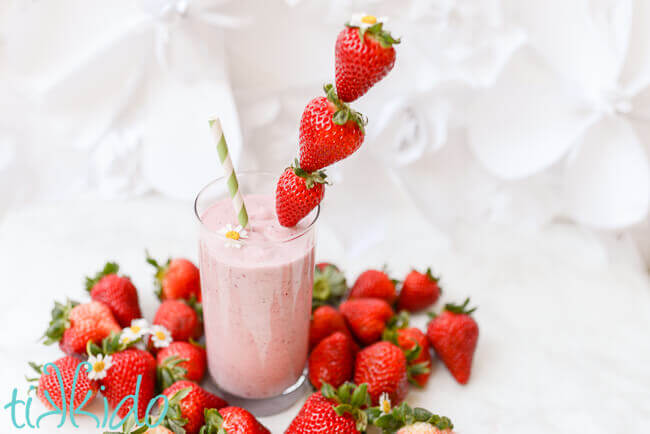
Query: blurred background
509, 148
502, 112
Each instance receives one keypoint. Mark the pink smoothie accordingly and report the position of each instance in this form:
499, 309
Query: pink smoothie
256, 299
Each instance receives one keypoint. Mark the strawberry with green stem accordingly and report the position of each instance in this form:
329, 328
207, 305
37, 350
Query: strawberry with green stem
180, 361
383, 366
329, 131
176, 278
332, 361
297, 193
333, 410
419, 291
183, 318
115, 291
374, 284
364, 55
453, 335
329, 285
231, 420
403, 419
415, 345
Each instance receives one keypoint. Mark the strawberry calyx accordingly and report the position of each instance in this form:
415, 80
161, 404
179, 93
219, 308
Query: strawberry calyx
349, 398
396, 322
344, 113
329, 286
196, 305
378, 33
161, 270
130, 425
59, 321
460, 309
311, 178
173, 418
213, 422
169, 372
36, 367
109, 268
111, 344
403, 415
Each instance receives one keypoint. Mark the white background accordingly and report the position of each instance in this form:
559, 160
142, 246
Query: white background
508, 149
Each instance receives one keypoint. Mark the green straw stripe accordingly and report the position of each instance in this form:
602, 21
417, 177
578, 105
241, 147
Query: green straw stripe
242, 217
222, 149
233, 185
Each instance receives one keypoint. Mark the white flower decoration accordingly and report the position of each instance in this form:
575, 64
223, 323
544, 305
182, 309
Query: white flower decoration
575, 108
100, 365
384, 403
160, 336
363, 20
234, 235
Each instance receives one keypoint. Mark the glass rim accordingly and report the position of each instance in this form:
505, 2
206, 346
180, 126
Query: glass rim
246, 173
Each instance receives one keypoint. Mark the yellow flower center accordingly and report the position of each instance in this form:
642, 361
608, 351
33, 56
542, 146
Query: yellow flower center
385, 406
161, 336
98, 366
135, 329
126, 339
369, 19
233, 235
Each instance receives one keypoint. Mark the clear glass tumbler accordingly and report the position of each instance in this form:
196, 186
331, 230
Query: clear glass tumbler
256, 296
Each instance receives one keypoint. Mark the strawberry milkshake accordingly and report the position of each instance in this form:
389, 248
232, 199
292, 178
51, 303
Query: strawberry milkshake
256, 288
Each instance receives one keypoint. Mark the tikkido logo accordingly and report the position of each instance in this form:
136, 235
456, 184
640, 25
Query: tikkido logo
108, 419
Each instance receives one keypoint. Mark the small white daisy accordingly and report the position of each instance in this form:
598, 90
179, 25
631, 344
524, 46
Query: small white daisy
99, 366
363, 20
234, 235
138, 329
160, 336
384, 403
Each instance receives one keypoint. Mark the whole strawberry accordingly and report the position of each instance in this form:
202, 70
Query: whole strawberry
332, 361
415, 345
181, 319
177, 278
297, 193
180, 361
364, 55
231, 420
453, 335
419, 291
332, 410
116, 292
406, 420
383, 366
374, 284
187, 404
73, 325
329, 131
120, 378
324, 321
49, 382
366, 318
329, 285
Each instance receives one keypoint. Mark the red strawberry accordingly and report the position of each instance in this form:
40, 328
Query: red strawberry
187, 404
406, 420
332, 361
177, 278
383, 366
329, 285
49, 382
453, 335
366, 317
116, 292
73, 325
333, 411
374, 284
122, 376
232, 420
415, 345
297, 193
180, 361
181, 319
363, 57
329, 131
324, 321
419, 291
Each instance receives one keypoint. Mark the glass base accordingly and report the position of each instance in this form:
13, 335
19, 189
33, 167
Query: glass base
270, 406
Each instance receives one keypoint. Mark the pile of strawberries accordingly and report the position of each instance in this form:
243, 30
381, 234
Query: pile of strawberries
115, 352
361, 339
330, 130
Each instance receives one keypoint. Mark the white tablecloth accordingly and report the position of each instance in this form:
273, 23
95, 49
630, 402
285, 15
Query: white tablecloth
564, 329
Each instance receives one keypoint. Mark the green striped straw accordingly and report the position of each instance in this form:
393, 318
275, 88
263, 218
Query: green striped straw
229, 172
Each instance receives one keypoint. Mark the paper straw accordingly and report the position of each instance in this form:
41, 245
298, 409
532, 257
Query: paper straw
229, 172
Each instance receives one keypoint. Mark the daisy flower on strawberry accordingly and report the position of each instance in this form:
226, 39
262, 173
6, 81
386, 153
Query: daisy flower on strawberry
364, 21
99, 366
235, 235
160, 336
